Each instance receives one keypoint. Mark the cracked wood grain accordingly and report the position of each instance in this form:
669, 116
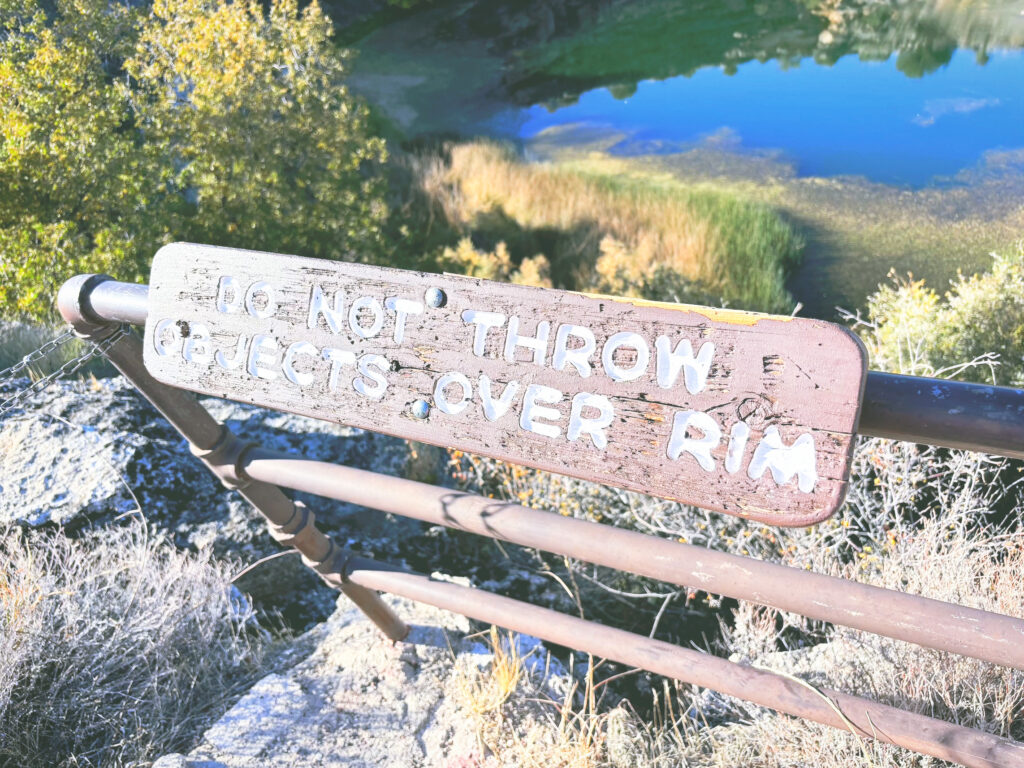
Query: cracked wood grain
756, 418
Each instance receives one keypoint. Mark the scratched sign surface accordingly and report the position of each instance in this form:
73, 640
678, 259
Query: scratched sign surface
747, 414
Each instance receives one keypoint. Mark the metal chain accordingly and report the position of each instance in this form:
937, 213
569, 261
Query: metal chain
39, 354
69, 368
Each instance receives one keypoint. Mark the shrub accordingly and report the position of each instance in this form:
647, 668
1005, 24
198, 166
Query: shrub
953, 555
910, 329
125, 126
464, 259
251, 107
114, 647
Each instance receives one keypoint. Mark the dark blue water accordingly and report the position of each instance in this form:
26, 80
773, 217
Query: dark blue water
851, 118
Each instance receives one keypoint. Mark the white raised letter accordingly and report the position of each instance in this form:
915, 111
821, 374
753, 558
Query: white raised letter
495, 409
700, 448
738, 437
262, 353
370, 303
338, 358
162, 345
302, 378
197, 346
595, 427
441, 399
579, 357
229, 294
269, 307
318, 306
625, 339
402, 309
695, 370
784, 461
237, 360
538, 393
483, 321
538, 343
380, 384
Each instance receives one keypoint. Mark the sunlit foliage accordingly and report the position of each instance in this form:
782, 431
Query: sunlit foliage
123, 127
464, 259
911, 329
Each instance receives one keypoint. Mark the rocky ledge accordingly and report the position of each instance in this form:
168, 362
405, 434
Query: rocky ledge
352, 698
84, 454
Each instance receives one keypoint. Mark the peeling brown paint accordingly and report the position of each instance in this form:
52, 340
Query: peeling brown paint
786, 379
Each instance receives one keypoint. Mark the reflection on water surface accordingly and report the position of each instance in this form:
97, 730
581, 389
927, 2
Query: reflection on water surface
892, 132
852, 117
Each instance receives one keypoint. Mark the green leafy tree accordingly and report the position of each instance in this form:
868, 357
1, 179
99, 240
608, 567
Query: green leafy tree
122, 128
70, 175
251, 107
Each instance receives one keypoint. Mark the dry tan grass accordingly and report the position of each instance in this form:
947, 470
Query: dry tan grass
618, 234
483, 695
19, 339
654, 227
520, 721
114, 647
917, 520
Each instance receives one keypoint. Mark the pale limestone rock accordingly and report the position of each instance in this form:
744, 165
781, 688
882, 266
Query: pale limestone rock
357, 700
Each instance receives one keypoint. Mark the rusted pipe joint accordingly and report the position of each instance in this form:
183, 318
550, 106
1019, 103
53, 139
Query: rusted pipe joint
73, 304
332, 568
286, 533
225, 458
300, 532
340, 564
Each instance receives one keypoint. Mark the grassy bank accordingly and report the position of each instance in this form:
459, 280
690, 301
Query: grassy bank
856, 231
606, 232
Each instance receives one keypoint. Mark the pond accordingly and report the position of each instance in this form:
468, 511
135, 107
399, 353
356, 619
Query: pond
849, 118
891, 133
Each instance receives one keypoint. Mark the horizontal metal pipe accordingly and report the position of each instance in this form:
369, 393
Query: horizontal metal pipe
118, 302
952, 414
931, 623
868, 719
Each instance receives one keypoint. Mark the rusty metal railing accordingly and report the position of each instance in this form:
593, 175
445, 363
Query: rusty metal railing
933, 411
952, 414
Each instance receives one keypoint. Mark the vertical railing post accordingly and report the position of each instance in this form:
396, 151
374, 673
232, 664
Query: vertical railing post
290, 523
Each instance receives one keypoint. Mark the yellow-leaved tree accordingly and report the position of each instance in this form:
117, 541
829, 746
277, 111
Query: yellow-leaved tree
124, 127
71, 175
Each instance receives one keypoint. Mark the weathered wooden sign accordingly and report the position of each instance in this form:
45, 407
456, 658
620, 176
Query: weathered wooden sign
747, 414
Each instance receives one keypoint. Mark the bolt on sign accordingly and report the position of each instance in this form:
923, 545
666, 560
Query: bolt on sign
748, 414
